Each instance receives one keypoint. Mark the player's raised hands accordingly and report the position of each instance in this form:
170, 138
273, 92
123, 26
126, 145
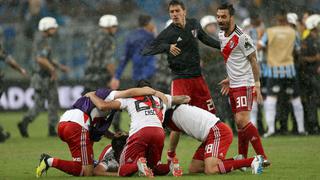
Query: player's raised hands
174, 50
225, 86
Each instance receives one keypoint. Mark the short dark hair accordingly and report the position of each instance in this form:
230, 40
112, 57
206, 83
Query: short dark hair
118, 144
143, 83
176, 3
227, 6
144, 20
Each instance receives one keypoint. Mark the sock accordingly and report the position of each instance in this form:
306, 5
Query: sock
70, 167
254, 113
161, 169
298, 113
252, 134
230, 165
128, 169
243, 143
50, 161
270, 113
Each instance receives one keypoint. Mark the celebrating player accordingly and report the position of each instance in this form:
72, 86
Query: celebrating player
239, 55
216, 138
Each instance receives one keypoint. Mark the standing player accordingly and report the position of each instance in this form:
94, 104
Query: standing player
180, 41
216, 138
239, 55
146, 136
74, 127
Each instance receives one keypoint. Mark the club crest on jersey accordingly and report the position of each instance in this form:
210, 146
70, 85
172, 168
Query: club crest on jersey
194, 33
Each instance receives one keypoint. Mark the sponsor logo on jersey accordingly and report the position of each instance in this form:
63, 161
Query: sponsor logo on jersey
247, 44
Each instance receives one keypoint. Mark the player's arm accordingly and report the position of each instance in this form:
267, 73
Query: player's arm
100, 170
132, 92
172, 100
158, 45
207, 40
256, 74
101, 104
174, 140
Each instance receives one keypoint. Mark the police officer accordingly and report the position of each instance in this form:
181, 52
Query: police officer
44, 77
100, 66
7, 58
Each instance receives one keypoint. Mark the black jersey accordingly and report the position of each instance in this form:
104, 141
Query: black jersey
187, 63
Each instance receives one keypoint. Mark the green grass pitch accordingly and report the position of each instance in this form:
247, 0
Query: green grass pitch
292, 157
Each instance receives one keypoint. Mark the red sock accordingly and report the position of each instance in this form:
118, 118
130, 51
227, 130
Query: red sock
230, 165
243, 142
161, 169
252, 135
128, 169
70, 167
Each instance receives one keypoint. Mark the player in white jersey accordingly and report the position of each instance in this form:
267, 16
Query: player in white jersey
243, 78
73, 129
216, 138
146, 136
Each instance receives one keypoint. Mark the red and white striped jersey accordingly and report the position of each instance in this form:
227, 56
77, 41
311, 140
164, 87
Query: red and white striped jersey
235, 49
144, 111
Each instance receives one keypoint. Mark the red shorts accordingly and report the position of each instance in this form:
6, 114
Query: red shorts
217, 143
148, 142
197, 89
78, 140
241, 98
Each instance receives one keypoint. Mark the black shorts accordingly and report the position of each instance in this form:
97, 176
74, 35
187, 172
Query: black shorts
289, 86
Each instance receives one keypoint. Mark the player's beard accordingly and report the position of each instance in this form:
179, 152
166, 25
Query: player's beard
224, 26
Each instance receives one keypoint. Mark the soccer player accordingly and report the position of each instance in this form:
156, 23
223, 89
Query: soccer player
109, 158
146, 136
216, 138
180, 42
76, 129
239, 55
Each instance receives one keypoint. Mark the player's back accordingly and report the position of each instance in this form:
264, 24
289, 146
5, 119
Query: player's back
144, 111
194, 121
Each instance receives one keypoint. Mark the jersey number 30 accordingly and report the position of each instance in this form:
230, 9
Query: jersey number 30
242, 101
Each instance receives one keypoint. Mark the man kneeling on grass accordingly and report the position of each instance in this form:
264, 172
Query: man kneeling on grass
216, 138
142, 152
74, 127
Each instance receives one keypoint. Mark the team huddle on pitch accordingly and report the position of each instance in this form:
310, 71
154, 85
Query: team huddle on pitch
189, 110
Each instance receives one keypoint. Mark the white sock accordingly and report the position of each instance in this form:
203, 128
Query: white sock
254, 113
270, 112
298, 113
50, 161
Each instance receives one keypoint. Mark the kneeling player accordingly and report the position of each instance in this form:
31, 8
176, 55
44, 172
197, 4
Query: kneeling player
216, 137
142, 152
74, 128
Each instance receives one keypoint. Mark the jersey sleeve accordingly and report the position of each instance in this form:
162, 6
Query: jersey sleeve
111, 96
123, 102
169, 97
246, 44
